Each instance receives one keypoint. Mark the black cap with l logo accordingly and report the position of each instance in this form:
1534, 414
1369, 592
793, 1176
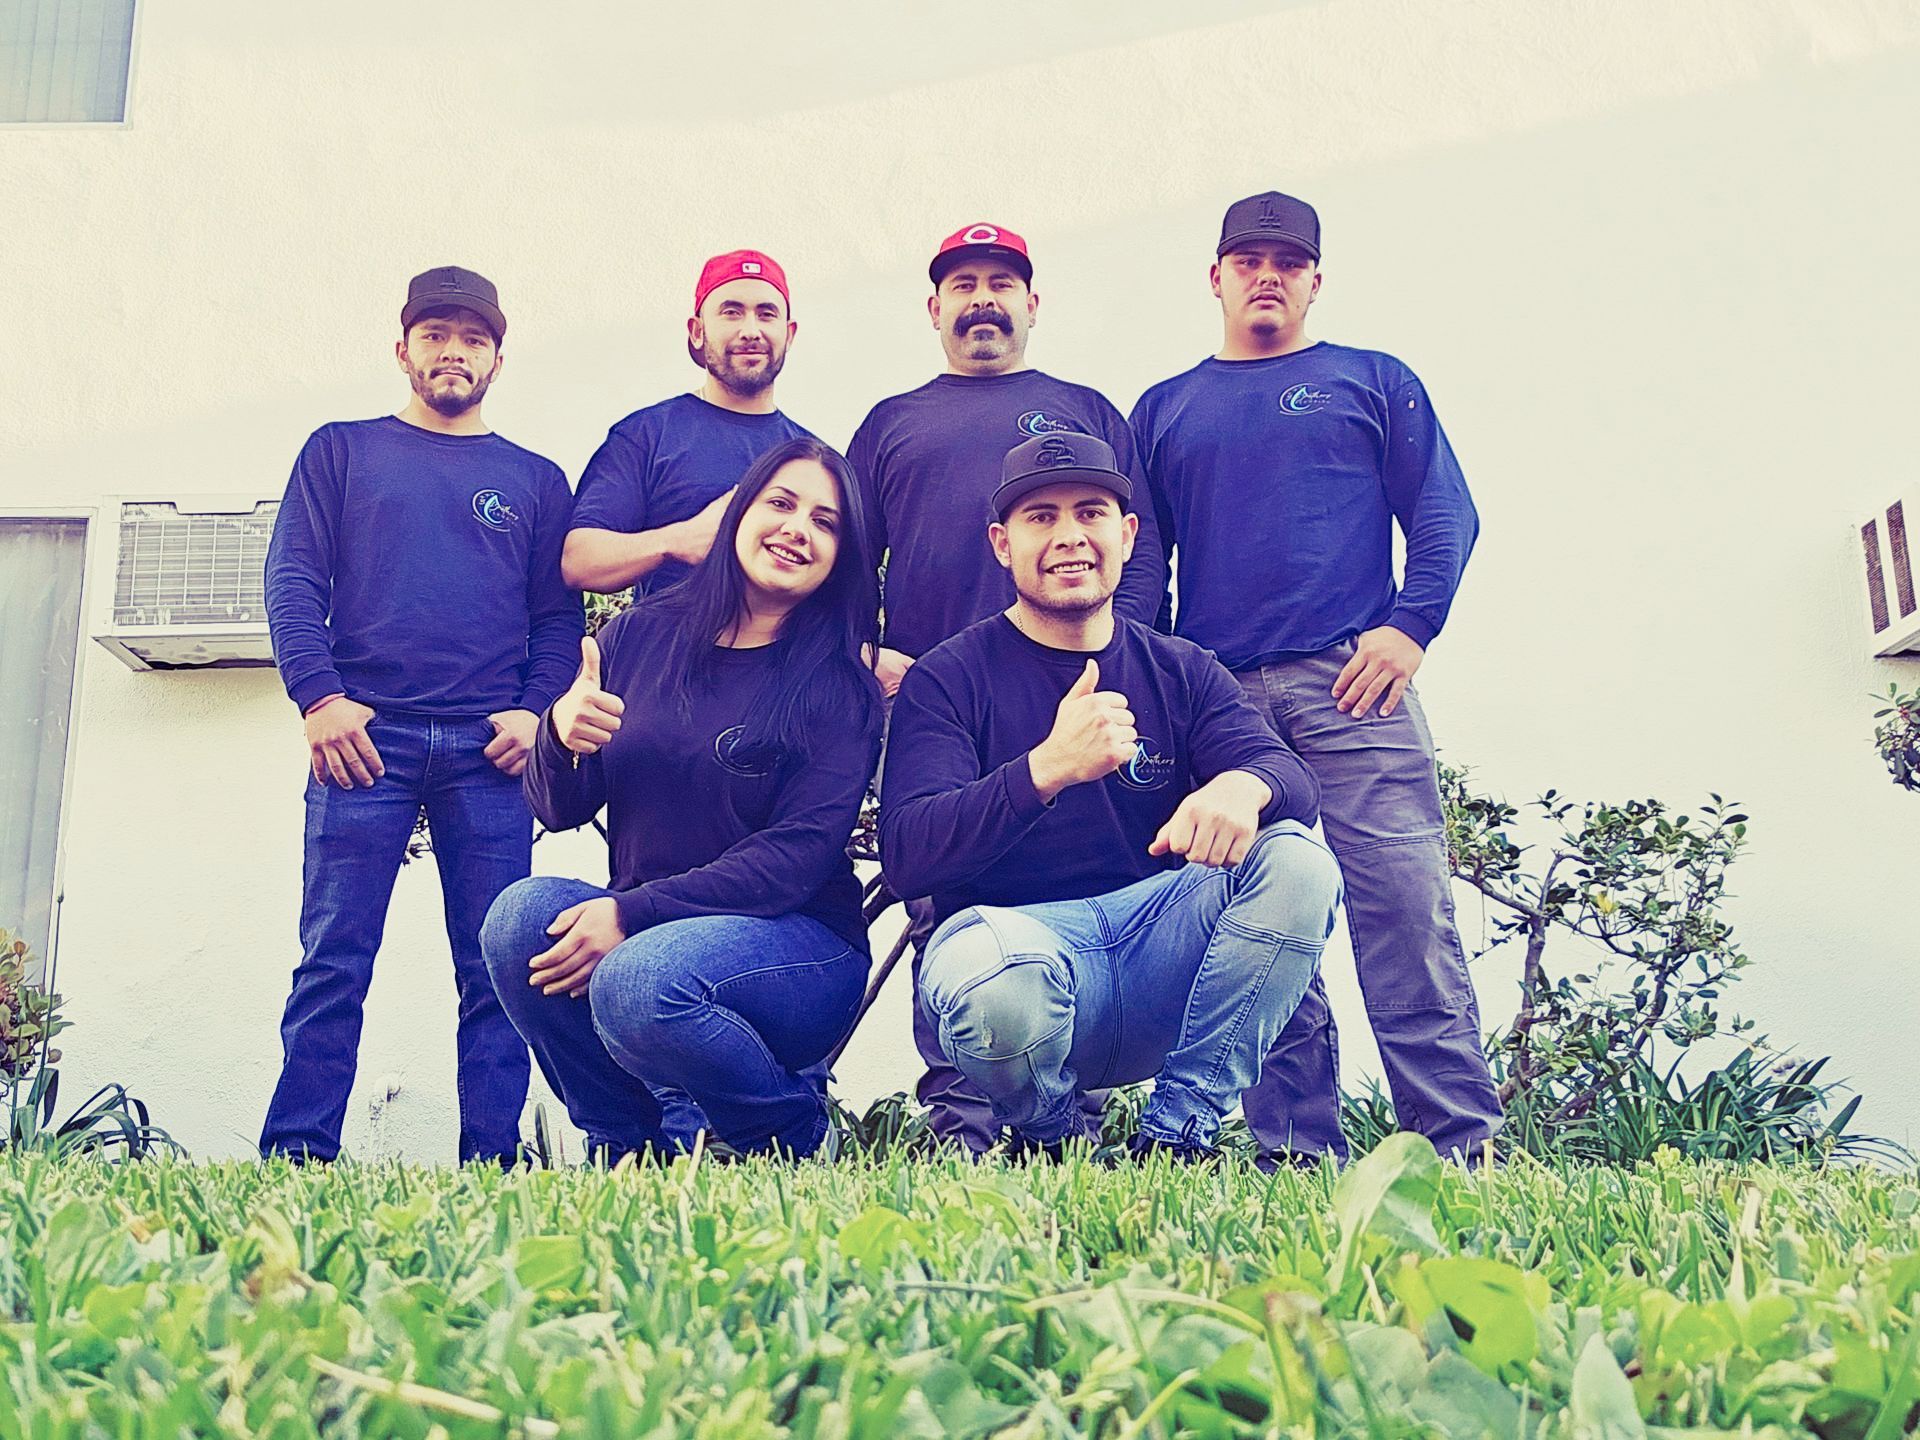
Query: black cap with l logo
1054, 459
447, 287
1272, 217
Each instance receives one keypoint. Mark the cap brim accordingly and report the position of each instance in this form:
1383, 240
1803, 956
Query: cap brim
1276, 237
1016, 490
947, 259
414, 309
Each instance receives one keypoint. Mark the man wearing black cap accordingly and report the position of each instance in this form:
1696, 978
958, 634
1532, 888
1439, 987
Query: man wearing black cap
420, 624
929, 461
1283, 465
1116, 845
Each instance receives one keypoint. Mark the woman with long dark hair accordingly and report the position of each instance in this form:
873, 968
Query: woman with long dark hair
728, 726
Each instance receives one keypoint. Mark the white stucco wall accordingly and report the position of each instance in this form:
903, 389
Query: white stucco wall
1654, 261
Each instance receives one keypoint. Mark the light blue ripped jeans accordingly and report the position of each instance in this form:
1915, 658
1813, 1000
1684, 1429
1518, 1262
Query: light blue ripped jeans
1184, 978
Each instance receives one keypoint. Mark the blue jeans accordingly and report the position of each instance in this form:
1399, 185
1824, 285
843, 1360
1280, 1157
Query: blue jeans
730, 1009
1184, 978
1380, 808
355, 840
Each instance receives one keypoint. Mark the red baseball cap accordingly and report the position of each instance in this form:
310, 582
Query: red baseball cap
978, 241
739, 265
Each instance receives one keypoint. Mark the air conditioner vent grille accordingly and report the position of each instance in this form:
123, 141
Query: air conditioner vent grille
191, 568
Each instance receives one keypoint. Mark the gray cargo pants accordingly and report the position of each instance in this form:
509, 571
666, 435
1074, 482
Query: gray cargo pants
1380, 808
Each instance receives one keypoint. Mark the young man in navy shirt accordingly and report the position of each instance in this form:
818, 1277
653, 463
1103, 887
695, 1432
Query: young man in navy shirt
1282, 465
928, 462
1116, 844
420, 623
653, 493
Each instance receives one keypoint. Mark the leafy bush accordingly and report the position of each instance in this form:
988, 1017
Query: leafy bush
1897, 736
1590, 1065
110, 1122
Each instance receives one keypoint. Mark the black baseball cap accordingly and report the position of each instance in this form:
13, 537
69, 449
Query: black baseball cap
1049, 460
449, 286
1270, 216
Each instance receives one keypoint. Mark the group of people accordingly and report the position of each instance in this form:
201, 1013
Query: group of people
1103, 823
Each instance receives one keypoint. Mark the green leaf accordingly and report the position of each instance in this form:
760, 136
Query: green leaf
1601, 1405
1488, 1306
543, 1263
1462, 1403
1386, 1201
872, 1236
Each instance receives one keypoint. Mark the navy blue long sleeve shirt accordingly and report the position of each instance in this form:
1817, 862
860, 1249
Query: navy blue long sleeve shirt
959, 817
667, 463
692, 828
1280, 482
929, 462
420, 572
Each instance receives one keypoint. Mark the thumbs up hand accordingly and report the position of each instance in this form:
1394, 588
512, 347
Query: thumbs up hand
1092, 737
586, 717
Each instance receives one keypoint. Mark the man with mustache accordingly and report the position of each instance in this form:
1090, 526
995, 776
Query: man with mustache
1283, 465
420, 624
929, 461
1119, 849
653, 493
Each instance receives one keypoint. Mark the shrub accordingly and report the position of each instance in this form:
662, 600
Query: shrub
1897, 736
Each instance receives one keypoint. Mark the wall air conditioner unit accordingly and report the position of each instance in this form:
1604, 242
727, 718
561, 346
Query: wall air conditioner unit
189, 581
1893, 616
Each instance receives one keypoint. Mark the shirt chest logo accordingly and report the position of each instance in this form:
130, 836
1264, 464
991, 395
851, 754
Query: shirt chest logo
491, 509
1303, 400
1146, 770
726, 753
1038, 422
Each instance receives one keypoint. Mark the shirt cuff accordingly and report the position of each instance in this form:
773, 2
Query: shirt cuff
636, 910
315, 687
1016, 777
1412, 626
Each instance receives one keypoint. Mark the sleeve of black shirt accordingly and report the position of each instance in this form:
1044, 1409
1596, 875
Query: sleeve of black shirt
1228, 734
1428, 496
299, 570
1143, 583
563, 790
609, 496
556, 618
863, 455
1140, 433
941, 821
777, 868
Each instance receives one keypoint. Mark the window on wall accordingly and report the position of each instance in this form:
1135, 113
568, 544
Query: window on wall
65, 61
41, 563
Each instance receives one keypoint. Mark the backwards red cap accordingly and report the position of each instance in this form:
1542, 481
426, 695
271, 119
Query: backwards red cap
739, 265
980, 239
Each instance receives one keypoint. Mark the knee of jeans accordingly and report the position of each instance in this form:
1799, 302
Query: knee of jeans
1291, 882
515, 929
991, 998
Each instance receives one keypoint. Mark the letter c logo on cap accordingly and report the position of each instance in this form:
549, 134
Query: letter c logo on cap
981, 235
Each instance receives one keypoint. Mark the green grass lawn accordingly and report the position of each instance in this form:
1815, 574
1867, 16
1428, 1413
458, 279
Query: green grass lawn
900, 1298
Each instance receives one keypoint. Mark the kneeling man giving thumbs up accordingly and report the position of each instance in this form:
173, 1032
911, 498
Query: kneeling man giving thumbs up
1117, 846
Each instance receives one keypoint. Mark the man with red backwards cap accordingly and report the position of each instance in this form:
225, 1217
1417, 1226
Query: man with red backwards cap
653, 493
929, 462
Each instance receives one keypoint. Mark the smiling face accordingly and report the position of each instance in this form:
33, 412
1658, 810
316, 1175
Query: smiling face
1265, 289
1064, 545
741, 335
450, 359
983, 311
789, 536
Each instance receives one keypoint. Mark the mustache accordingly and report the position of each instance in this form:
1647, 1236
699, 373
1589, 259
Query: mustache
984, 315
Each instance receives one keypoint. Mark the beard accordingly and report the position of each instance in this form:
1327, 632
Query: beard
989, 346
737, 380
1074, 607
450, 403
